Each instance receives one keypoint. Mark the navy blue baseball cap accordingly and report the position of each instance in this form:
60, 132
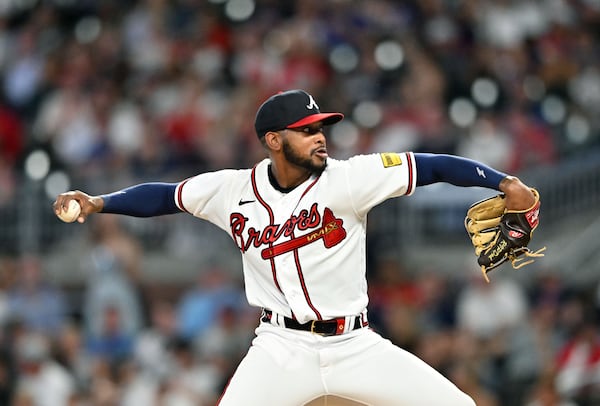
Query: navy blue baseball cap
290, 109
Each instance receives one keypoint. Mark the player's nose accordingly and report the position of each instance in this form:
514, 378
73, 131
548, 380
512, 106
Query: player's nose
320, 137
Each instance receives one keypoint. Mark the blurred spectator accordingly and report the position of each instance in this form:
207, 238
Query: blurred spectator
223, 344
468, 381
477, 358
151, 346
24, 72
201, 305
71, 353
530, 350
67, 122
437, 348
544, 393
12, 143
34, 301
112, 239
7, 274
488, 142
113, 342
113, 279
105, 387
437, 298
394, 295
486, 315
487, 309
191, 382
578, 365
8, 363
138, 387
534, 143
40, 378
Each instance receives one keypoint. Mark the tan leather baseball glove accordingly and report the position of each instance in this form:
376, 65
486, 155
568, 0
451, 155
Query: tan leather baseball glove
501, 235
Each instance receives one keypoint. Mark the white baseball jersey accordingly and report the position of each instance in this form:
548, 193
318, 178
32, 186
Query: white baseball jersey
303, 251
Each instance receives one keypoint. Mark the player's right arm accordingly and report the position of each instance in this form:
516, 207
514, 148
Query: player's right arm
143, 200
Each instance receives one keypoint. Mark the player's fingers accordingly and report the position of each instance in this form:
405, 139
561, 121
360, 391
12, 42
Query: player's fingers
61, 203
62, 200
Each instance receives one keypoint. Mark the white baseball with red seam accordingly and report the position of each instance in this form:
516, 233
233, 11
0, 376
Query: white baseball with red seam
73, 211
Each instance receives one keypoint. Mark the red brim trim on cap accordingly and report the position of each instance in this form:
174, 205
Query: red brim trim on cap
326, 118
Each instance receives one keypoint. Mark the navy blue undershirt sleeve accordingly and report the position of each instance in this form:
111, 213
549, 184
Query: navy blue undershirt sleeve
143, 200
459, 171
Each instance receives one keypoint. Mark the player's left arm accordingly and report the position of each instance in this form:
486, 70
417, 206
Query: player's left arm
459, 171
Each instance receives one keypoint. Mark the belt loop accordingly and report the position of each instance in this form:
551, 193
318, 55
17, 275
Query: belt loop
363, 318
279, 320
348, 324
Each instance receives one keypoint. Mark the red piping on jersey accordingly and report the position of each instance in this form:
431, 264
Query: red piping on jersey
410, 174
179, 195
303, 285
308, 188
299, 267
271, 221
296, 259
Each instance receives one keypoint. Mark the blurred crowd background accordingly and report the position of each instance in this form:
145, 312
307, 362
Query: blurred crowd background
99, 95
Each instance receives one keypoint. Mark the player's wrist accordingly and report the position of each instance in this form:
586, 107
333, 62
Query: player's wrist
97, 203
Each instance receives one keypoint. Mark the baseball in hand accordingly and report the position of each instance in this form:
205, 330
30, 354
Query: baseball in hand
72, 212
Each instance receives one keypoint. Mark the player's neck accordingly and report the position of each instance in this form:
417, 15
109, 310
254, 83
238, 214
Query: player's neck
286, 180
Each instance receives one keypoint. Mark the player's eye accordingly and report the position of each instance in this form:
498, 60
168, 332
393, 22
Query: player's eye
307, 130
311, 130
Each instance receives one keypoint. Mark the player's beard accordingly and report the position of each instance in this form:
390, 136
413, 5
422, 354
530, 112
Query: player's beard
307, 163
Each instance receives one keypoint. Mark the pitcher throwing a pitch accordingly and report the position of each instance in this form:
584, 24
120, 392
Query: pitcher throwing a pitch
299, 220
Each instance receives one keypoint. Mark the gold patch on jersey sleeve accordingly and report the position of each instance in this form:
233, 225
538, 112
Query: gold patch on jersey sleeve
390, 159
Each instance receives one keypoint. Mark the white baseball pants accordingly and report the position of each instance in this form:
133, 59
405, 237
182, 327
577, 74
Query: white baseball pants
287, 367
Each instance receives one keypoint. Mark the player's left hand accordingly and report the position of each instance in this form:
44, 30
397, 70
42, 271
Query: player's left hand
501, 227
518, 196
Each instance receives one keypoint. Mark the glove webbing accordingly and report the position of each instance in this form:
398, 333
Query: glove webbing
516, 260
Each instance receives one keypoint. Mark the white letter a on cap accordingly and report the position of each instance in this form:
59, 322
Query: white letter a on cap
312, 104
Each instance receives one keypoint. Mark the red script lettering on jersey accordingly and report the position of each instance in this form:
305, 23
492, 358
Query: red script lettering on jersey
306, 219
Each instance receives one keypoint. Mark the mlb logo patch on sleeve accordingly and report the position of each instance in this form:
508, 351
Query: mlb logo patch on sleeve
390, 159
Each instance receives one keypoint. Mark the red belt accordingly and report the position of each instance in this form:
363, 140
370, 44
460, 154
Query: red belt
331, 327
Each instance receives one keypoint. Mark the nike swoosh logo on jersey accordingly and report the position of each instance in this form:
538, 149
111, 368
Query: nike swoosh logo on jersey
243, 202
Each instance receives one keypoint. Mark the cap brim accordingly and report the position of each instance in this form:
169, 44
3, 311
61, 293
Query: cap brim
326, 118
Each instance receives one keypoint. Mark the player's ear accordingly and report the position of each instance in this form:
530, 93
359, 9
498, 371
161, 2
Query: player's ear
273, 140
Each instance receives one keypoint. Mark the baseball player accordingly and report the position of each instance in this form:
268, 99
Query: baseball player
299, 218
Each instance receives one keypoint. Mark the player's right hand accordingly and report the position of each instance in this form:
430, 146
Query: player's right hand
89, 204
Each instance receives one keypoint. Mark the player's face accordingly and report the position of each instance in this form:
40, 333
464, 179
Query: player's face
305, 147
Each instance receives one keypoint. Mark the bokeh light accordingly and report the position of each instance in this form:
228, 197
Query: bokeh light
344, 135
367, 114
485, 92
37, 164
553, 109
343, 58
88, 29
462, 112
239, 10
389, 55
577, 129
57, 182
